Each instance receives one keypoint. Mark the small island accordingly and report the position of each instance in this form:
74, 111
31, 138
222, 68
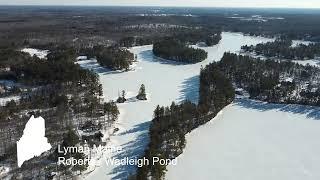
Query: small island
122, 98
172, 49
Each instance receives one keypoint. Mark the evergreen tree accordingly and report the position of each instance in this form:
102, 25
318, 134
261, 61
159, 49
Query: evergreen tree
123, 94
122, 98
142, 93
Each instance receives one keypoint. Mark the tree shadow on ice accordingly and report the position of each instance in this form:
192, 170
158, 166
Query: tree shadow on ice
148, 56
311, 111
132, 150
138, 128
190, 89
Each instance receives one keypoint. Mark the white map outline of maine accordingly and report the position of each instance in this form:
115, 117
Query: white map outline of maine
33, 141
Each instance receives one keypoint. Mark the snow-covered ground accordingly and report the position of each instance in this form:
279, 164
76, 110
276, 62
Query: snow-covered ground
252, 140
165, 82
3, 171
42, 54
298, 42
5, 100
311, 62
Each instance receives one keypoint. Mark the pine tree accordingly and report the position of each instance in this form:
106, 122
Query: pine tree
142, 93
100, 90
123, 94
122, 98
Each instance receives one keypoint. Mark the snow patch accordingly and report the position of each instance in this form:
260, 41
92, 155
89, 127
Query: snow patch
4, 170
311, 62
42, 54
296, 43
5, 100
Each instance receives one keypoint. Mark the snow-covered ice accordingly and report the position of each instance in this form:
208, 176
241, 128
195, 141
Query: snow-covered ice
253, 140
33, 141
165, 81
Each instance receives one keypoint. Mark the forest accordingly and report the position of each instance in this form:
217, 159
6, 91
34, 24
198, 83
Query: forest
209, 36
122, 25
188, 35
272, 81
172, 49
282, 48
57, 89
108, 25
112, 57
59, 67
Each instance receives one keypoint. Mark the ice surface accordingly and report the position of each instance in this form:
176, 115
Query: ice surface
253, 140
33, 141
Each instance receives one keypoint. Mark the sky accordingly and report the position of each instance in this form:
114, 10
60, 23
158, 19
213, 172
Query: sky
184, 3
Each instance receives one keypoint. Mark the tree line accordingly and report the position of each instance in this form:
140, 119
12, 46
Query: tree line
209, 36
282, 48
187, 35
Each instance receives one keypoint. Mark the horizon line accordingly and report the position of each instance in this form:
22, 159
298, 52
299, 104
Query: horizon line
159, 6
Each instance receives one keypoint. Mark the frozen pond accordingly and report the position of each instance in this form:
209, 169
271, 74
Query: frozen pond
165, 82
253, 140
